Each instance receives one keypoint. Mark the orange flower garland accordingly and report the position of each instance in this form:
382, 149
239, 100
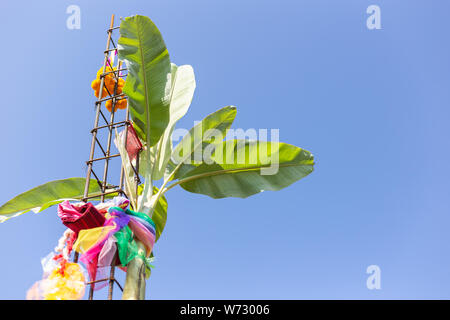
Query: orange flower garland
109, 86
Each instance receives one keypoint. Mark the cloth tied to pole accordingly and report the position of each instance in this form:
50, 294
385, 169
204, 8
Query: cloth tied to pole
122, 227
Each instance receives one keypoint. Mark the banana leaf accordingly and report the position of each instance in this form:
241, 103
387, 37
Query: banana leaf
181, 93
147, 86
240, 168
47, 195
199, 137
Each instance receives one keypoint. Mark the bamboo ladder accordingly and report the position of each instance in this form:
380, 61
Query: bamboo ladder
102, 135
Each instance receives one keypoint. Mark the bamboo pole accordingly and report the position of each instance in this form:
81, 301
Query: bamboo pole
134, 288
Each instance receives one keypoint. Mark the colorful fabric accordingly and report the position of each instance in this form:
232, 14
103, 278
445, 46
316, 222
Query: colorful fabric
142, 216
148, 226
134, 144
118, 201
78, 218
126, 246
67, 285
108, 252
91, 241
142, 227
143, 234
61, 280
98, 245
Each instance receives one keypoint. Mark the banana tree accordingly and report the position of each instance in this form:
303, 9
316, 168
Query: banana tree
159, 94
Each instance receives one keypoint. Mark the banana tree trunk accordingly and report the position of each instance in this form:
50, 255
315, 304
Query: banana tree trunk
134, 288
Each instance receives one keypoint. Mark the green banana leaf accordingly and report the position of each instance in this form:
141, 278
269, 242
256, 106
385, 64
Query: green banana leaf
159, 215
181, 93
148, 83
47, 195
199, 137
143, 49
235, 171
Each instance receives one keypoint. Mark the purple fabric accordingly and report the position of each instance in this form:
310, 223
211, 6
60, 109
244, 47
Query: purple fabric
106, 256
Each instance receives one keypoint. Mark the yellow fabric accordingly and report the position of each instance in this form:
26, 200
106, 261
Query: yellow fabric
67, 286
89, 237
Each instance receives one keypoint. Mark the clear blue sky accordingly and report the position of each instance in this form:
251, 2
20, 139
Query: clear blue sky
372, 105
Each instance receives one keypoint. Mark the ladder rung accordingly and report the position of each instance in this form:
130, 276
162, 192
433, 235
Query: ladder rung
114, 71
98, 195
109, 98
109, 50
107, 279
114, 28
103, 158
115, 124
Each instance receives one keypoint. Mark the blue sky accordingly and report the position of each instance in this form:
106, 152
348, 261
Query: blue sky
372, 105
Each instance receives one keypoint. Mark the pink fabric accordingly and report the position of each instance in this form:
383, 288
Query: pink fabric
77, 218
134, 144
100, 256
106, 256
105, 261
90, 258
142, 233
68, 212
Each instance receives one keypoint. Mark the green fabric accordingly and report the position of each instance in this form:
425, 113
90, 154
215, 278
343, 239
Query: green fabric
126, 245
128, 248
142, 216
